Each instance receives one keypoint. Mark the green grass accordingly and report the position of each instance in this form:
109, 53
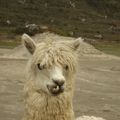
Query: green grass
9, 44
109, 48
106, 47
66, 19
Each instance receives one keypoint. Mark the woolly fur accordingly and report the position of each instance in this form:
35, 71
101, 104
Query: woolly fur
43, 106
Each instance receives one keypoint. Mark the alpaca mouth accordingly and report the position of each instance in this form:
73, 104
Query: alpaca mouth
55, 89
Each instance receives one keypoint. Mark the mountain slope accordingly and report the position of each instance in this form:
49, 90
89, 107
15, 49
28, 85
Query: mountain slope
67, 17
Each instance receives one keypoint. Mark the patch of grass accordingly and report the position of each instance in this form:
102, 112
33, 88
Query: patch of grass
109, 48
9, 44
86, 19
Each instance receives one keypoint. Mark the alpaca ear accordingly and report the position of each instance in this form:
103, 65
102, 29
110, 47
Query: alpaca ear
29, 43
77, 42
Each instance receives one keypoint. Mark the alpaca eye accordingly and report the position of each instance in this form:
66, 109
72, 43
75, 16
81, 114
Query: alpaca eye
40, 67
66, 67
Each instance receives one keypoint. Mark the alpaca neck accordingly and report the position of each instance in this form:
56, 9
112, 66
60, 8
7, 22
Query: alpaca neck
40, 106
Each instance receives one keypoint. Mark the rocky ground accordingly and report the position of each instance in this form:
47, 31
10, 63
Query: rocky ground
97, 89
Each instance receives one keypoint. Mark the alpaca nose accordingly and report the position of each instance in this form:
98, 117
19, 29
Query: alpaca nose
59, 82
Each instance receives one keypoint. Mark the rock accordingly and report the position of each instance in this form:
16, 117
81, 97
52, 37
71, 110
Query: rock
106, 108
22, 1
71, 33
98, 36
46, 5
72, 4
83, 20
31, 29
43, 27
105, 17
8, 22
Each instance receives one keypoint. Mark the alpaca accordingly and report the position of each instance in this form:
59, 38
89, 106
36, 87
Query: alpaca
50, 78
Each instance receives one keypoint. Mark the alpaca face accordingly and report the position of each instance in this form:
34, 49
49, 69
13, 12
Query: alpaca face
52, 64
50, 80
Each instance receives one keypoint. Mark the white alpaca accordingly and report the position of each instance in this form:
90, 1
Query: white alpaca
50, 80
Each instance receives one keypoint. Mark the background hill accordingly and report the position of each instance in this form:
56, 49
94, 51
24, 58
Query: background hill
98, 19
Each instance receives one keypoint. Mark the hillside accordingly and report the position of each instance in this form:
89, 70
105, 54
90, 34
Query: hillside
88, 18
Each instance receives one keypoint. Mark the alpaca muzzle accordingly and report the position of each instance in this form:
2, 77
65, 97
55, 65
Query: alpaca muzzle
55, 89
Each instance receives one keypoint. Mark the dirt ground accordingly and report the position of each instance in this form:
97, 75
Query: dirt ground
97, 90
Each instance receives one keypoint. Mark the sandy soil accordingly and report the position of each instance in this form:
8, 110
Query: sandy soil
97, 90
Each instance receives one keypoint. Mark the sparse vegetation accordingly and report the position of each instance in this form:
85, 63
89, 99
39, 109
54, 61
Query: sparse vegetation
81, 18
86, 18
109, 48
9, 44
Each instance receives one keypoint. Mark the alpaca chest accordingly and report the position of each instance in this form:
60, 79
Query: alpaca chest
49, 108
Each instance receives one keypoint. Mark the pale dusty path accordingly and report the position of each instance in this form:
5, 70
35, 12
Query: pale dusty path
97, 89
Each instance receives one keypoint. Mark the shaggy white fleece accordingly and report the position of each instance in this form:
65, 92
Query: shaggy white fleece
89, 118
51, 61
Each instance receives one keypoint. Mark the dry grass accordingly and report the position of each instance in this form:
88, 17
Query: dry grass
109, 48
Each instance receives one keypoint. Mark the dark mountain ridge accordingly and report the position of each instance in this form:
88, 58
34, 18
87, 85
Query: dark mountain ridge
88, 18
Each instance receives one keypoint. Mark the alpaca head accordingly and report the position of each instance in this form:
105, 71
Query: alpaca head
52, 64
